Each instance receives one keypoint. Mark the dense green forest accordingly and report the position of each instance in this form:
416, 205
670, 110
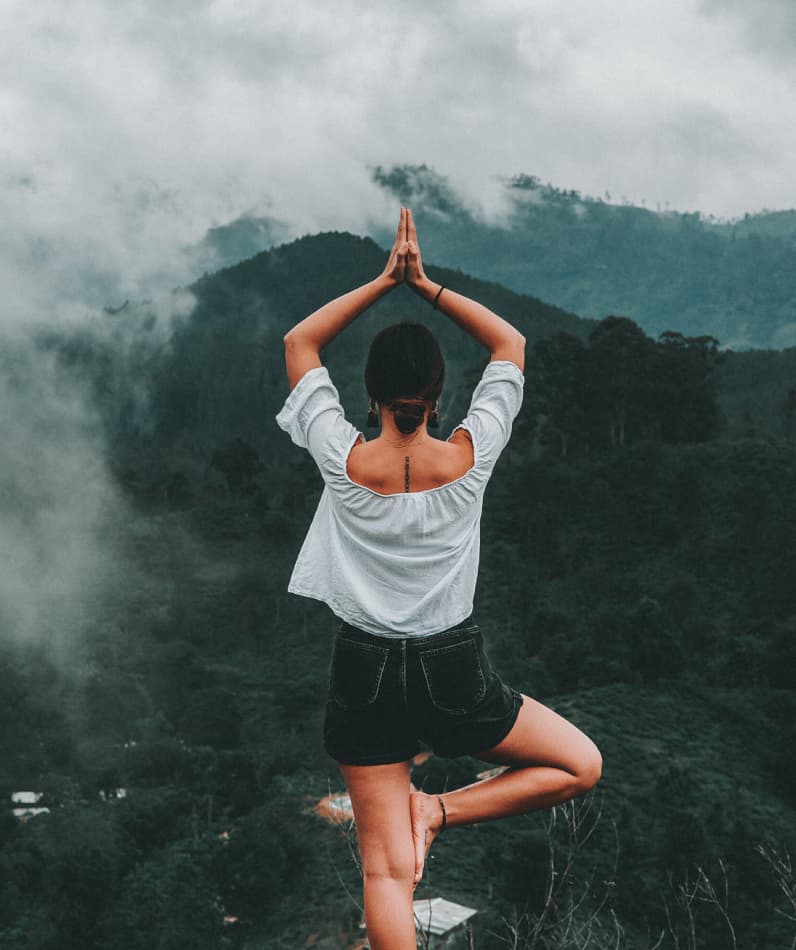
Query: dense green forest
637, 575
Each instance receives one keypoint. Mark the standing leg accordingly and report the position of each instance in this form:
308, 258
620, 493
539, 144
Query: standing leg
549, 759
380, 800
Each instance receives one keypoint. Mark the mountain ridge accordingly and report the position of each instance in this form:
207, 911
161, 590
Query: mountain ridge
734, 279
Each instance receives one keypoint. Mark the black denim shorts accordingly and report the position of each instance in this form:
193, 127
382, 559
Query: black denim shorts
387, 694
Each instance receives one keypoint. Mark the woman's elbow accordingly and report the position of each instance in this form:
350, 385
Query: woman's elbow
511, 349
297, 344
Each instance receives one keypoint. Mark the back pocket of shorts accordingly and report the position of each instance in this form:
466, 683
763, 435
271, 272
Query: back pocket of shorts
454, 676
357, 669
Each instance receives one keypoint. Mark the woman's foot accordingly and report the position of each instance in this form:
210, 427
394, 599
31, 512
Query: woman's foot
426, 812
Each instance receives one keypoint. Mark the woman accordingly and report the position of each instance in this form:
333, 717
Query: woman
393, 550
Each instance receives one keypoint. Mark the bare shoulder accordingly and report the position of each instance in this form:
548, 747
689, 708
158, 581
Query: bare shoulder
361, 459
382, 468
460, 451
461, 437
357, 451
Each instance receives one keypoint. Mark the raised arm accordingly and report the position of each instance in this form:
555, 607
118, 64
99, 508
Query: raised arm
303, 344
503, 341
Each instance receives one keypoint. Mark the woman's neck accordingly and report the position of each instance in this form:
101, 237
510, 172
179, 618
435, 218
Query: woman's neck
392, 435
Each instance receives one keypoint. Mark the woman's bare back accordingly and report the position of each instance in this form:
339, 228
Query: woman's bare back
418, 465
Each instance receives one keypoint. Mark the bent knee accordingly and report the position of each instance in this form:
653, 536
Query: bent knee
398, 868
589, 769
390, 877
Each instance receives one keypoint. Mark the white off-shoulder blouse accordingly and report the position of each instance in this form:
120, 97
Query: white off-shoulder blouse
403, 564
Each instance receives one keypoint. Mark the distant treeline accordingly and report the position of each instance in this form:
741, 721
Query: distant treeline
621, 387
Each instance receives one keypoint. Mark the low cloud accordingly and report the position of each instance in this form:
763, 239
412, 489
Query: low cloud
766, 28
57, 502
129, 131
66, 527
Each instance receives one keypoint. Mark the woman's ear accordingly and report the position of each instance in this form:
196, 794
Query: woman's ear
373, 415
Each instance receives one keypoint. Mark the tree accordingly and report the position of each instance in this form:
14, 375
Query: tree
238, 462
789, 412
61, 871
556, 369
267, 851
655, 651
212, 717
683, 403
617, 377
168, 903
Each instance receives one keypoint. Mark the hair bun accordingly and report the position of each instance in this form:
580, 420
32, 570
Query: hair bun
409, 413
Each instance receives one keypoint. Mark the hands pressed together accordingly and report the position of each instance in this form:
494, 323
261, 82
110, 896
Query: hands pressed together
305, 341
405, 263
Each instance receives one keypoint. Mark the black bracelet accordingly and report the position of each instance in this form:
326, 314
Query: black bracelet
444, 813
436, 299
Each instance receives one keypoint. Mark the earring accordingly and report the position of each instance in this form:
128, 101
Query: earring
433, 416
373, 415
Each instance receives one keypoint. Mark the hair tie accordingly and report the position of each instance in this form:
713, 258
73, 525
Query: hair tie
436, 299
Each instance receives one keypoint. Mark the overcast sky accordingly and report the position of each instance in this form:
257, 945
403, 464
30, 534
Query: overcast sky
129, 128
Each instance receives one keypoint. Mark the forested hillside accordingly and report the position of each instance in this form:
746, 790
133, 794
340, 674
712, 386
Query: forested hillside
667, 270
637, 575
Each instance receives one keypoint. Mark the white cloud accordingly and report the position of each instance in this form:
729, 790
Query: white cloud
56, 501
767, 28
129, 129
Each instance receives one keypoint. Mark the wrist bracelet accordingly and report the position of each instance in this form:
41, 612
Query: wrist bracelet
436, 299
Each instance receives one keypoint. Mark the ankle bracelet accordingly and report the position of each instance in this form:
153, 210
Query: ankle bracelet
444, 814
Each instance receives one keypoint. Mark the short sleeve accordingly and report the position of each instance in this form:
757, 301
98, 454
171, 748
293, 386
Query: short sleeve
496, 401
314, 419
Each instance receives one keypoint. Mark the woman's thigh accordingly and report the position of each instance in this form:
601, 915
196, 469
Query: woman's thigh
542, 737
380, 801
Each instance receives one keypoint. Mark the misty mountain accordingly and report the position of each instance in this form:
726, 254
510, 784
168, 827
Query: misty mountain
667, 270
237, 240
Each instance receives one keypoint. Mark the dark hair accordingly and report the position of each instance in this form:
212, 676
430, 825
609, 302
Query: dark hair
405, 370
